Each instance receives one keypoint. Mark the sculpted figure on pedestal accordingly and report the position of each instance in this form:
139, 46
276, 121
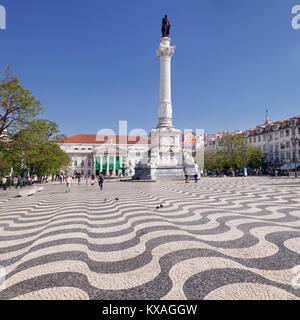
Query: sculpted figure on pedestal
154, 157
165, 29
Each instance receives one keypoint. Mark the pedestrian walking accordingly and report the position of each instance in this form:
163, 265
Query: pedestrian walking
196, 178
19, 183
101, 180
186, 178
69, 181
93, 182
4, 182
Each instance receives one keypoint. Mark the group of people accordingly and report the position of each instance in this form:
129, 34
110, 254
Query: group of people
18, 182
90, 181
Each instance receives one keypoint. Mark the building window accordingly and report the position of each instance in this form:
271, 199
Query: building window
298, 130
287, 144
281, 134
264, 148
89, 163
259, 139
271, 148
172, 154
287, 133
254, 139
75, 163
265, 138
82, 164
250, 140
282, 156
271, 137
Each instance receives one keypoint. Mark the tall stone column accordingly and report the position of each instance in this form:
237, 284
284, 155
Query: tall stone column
107, 165
101, 164
165, 53
114, 165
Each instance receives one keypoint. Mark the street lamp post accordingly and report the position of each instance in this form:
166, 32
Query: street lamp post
294, 143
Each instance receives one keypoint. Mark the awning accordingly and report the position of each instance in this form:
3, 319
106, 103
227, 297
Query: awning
291, 166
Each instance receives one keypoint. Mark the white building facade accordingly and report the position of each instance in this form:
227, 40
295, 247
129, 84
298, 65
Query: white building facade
111, 155
279, 141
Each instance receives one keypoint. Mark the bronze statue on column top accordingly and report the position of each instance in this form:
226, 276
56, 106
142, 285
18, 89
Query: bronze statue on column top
165, 29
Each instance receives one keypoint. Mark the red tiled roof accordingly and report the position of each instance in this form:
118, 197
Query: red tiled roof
102, 139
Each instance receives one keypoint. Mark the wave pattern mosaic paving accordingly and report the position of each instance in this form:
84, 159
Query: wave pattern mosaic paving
223, 238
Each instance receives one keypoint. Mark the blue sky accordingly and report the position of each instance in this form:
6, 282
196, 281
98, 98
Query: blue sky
92, 63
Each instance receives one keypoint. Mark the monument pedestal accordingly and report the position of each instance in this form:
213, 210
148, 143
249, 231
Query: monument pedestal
165, 161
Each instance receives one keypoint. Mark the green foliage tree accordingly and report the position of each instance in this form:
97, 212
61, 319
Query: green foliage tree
4, 166
232, 151
33, 149
210, 159
17, 105
255, 157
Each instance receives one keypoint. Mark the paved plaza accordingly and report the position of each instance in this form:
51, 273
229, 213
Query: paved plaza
223, 238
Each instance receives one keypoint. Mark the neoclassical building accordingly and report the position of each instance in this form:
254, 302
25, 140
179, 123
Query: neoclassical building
112, 155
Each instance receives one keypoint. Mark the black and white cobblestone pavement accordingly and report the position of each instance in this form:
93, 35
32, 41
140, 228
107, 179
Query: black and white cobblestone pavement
223, 238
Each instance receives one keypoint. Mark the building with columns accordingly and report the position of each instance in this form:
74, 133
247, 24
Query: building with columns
113, 155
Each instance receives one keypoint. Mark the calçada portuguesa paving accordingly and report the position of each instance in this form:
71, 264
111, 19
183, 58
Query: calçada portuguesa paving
223, 238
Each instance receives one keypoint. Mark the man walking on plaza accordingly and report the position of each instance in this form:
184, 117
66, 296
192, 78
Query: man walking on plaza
4, 182
69, 181
196, 178
101, 180
20, 182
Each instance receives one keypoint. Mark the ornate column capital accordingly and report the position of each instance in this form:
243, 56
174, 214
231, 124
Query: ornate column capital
165, 51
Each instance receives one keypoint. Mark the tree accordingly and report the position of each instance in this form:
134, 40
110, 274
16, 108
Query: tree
210, 159
17, 105
4, 166
34, 150
255, 157
232, 151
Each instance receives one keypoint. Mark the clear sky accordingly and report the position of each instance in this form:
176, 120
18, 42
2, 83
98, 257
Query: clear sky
92, 63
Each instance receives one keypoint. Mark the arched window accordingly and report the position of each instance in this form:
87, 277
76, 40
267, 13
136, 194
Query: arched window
75, 163
89, 163
172, 154
82, 164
